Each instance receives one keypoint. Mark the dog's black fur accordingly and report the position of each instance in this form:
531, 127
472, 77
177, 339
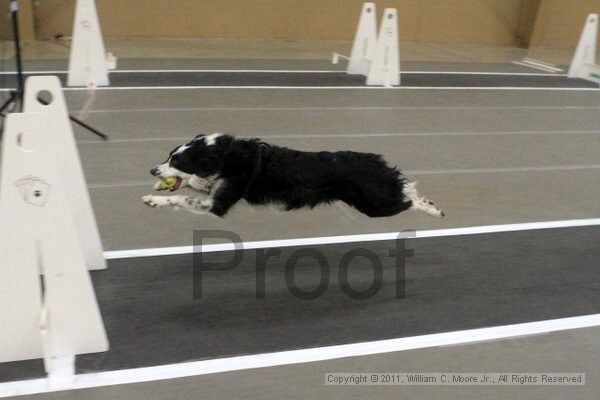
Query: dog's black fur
261, 173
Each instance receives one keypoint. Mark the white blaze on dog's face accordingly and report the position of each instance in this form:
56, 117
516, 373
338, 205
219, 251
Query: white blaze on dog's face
169, 168
197, 158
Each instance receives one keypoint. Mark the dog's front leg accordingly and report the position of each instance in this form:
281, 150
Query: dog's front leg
191, 204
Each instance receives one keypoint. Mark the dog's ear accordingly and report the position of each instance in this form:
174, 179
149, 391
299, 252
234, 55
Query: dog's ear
221, 145
208, 158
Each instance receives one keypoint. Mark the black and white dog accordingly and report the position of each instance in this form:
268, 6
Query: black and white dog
224, 170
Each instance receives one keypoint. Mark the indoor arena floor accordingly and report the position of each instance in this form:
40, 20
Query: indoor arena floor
509, 146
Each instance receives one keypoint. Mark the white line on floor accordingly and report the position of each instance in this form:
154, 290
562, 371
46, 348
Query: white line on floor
493, 170
121, 184
353, 135
479, 73
230, 71
288, 71
407, 172
39, 72
190, 369
506, 88
479, 88
229, 109
371, 237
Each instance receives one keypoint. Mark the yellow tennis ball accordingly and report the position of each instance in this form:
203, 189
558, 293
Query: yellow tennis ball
169, 183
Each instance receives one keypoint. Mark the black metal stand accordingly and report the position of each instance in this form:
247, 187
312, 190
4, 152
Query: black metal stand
15, 100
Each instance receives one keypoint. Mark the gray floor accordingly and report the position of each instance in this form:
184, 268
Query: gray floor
120, 80
166, 310
491, 158
569, 351
485, 156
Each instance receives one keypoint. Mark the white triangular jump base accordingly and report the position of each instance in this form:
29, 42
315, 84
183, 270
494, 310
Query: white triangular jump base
48, 307
583, 64
89, 63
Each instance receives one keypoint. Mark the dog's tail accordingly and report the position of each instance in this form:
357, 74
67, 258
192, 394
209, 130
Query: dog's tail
419, 203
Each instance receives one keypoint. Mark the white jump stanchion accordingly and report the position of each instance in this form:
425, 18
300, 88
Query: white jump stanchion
363, 49
69, 164
48, 306
385, 68
584, 64
89, 63
365, 40
377, 56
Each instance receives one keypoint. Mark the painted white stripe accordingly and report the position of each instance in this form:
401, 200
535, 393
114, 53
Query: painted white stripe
190, 369
353, 135
229, 71
308, 71
352, 108
494, 170
193, 71
363, 238
479, 73
505, 88
479, 88
535, 66
406, 172
37, 72
286, 71
121, 184
410, 134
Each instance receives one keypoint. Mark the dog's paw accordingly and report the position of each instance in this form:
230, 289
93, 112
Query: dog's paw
155, 201
431, 209
428, 207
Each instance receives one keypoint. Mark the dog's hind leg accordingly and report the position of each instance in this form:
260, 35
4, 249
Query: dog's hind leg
421, 203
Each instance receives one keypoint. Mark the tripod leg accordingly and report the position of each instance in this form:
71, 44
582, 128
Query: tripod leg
88, 127
13, 98
81, 123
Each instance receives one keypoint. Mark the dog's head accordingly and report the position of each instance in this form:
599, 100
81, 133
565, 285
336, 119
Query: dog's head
202, 157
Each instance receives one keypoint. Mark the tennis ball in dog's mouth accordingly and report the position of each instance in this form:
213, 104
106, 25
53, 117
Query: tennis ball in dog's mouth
170, 183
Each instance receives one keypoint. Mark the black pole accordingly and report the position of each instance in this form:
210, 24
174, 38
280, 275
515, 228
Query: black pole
15, 95
14, 8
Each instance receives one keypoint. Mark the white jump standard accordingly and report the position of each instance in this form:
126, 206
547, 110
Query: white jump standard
42, 228
385, 68
584, 64
376, 56
365, 40
89, 63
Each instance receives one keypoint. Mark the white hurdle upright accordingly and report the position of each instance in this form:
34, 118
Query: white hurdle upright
363, 49
583, 64
385, 68
69, 164
376, 56
48, 307
89, 63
